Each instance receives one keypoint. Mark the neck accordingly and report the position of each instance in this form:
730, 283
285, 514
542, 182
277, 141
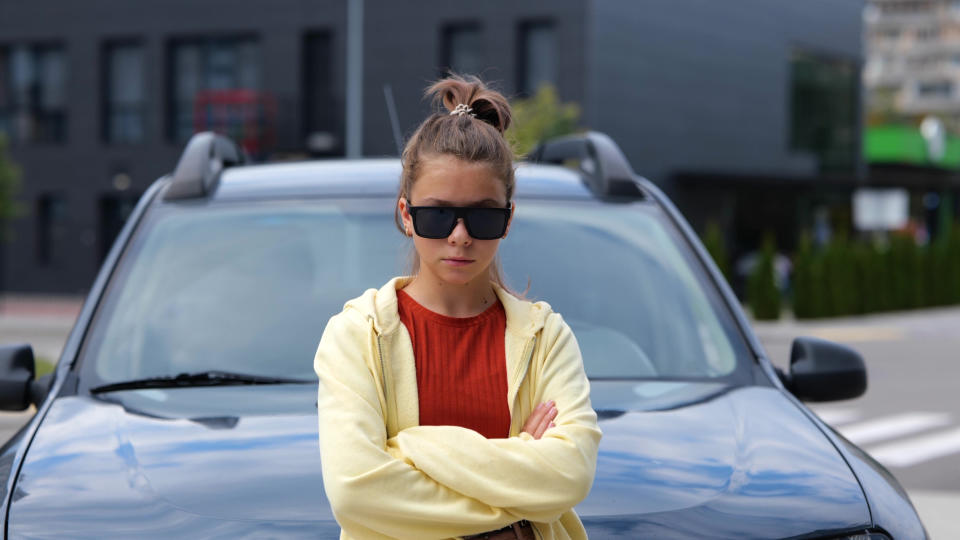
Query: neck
453, 300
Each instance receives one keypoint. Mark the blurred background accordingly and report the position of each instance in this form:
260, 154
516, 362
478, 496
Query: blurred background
814, 145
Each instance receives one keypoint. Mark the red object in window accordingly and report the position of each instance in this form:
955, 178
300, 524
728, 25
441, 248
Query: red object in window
246, 116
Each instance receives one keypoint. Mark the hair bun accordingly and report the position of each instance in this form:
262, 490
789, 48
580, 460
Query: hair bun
488, 105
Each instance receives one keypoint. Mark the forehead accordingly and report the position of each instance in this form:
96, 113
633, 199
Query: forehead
450, 179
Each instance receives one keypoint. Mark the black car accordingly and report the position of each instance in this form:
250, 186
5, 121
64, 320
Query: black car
184, 403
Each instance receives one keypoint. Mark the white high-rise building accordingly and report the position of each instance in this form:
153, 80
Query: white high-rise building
913, 58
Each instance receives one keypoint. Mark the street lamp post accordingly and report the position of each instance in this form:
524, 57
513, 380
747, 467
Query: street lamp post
354, 135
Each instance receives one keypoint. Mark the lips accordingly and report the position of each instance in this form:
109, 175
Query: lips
457, 261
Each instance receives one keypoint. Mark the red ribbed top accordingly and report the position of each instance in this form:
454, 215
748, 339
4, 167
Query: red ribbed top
461, 367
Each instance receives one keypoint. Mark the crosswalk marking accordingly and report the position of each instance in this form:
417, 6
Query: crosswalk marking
917, 449
898, 440
888, 427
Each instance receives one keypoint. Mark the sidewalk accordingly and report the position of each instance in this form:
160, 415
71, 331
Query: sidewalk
40, 306
939, 316
42, 321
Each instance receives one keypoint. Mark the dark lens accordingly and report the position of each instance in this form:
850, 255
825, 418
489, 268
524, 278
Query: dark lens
434, 222
487, 223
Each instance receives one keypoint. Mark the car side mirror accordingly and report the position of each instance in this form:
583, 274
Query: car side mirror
821, 370
16, 374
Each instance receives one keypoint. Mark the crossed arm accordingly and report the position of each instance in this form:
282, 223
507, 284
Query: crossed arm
444, 481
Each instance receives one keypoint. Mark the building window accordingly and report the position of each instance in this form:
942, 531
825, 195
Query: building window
322, 120
213, 84
125, 105
462, 49
51, 217
888, 33
824, 109
6, 94
538, 62
926, 34
935, 89
113, 211
33, 93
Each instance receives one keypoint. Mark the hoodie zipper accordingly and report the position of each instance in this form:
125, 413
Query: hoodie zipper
532, 346
383, 370
383, 375
528, 352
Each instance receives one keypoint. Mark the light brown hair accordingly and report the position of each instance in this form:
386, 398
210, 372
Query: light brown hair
477, 138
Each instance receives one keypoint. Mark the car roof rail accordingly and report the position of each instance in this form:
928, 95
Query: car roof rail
605, 168
199, 168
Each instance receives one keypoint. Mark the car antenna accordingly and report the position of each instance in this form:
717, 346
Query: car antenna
394, 122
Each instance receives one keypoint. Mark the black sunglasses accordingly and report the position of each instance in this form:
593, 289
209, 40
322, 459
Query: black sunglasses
483, 223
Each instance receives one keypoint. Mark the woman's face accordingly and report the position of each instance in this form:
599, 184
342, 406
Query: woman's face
449, 181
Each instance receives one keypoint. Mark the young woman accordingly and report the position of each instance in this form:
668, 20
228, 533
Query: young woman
448, 407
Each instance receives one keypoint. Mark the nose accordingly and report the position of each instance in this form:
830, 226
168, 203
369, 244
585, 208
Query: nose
459, 235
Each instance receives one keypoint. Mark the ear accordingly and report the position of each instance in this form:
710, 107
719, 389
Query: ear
405, 215
513, 208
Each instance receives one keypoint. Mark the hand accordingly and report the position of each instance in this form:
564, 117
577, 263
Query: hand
541, 419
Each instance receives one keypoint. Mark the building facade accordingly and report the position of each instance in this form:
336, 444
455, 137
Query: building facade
913, 67
730, 106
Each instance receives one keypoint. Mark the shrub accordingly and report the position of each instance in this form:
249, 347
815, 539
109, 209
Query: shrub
806, 282
762, 292
849, 277
713, 241
541, 117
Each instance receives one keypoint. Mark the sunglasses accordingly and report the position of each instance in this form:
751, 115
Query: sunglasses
439, 221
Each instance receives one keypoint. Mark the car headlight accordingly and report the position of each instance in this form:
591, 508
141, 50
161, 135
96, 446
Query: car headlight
863, 536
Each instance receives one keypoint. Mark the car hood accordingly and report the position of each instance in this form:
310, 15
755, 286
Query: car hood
677, 460
682, 460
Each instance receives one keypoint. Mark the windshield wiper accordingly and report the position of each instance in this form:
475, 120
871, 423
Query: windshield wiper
201, 378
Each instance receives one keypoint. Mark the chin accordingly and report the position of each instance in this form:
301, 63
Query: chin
458, 277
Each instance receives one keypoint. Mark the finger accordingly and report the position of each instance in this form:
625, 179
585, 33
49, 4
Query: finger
533, 422
542, 410
547, 420
538, 432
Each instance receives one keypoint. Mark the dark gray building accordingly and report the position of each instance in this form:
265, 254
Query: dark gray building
733, 106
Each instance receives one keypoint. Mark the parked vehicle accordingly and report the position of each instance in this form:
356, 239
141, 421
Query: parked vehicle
184, 403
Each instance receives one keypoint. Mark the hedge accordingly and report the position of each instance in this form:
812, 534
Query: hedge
850, 278
762, 292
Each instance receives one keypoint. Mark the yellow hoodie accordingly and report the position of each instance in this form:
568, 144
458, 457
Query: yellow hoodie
388, 477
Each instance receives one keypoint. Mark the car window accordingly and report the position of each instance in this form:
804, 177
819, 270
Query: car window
248, 287
629, 287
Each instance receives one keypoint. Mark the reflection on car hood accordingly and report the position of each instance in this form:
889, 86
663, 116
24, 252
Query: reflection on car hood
97, 468
244, 462
731, 463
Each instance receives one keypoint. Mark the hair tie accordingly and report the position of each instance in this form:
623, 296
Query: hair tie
461, 110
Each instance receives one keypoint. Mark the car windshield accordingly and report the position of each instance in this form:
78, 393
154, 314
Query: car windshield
248, 287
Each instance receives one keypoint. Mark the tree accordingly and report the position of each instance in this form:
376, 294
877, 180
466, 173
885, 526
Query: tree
953, 264
839, 277
807, 283
762, 291
713, 241
541, 117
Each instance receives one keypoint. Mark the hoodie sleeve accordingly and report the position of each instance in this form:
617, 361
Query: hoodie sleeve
538, 479
373, 494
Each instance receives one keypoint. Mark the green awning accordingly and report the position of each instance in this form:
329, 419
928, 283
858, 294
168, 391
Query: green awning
904, 144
